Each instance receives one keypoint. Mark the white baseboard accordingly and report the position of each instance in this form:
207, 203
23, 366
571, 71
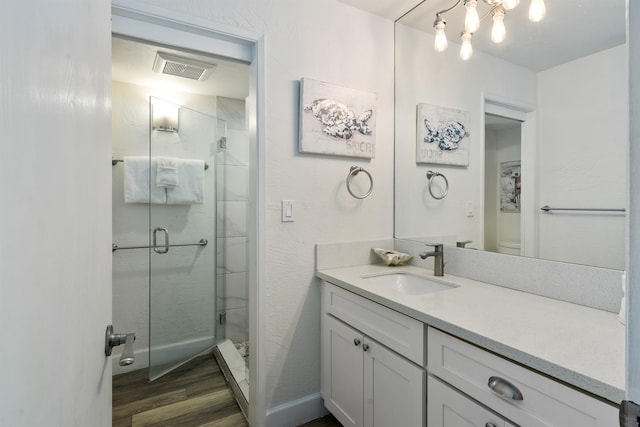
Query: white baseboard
297, 411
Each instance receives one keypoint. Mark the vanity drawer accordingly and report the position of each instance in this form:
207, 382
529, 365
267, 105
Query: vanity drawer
402, 334
544, 402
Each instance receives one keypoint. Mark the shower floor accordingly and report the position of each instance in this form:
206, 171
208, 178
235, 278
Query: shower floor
196, 394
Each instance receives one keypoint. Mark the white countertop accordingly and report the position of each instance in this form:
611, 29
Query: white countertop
578, 345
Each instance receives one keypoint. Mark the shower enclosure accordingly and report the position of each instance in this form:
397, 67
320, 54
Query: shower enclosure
179, 244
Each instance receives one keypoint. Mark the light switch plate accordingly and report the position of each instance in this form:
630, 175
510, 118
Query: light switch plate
287, 211
469, 208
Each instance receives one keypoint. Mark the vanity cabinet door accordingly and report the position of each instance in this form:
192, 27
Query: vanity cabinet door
448, 408
342, 376
394, 388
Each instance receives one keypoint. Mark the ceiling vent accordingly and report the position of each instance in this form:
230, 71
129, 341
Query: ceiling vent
167, 63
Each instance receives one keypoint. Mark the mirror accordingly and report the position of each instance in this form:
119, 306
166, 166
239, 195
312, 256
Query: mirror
547, 125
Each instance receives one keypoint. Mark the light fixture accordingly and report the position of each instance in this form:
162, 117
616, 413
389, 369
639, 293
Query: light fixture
164, 116
440, 43
466, 50
537, 10
471, 18
498, 31
497, 10
510, 4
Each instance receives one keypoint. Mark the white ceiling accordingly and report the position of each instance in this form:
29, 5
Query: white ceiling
132, 62
570, 30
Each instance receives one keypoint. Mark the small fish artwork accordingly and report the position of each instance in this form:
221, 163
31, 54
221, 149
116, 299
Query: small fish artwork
337, 119
442, 135
447, 135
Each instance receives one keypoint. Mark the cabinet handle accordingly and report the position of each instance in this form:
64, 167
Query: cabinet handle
365, 347
489, 425
504, 388
356, 342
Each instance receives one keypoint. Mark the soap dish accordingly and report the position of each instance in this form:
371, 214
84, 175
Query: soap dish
391, 257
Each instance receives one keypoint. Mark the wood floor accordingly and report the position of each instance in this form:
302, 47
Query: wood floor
328, 421
194, 395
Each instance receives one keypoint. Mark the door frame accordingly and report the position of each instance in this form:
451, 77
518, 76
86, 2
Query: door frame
131, 18
526, 114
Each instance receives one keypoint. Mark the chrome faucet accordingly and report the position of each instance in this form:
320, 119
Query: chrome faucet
438, 258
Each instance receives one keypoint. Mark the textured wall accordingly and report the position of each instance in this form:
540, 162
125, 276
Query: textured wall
332, 42
583, 139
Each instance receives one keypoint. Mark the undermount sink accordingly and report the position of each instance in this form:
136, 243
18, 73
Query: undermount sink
406, 283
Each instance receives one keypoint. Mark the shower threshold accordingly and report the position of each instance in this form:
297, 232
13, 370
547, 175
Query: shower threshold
235, 371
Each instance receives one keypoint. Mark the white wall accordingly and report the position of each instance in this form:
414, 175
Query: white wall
332, 42
583, 127
445, 80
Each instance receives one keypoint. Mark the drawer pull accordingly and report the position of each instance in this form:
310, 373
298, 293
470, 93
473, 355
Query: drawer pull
356, 342
504, 388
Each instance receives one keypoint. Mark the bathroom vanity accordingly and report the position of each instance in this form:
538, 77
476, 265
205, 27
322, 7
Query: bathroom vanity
401, 347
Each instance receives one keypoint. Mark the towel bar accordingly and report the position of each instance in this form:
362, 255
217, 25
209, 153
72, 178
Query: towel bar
116, 161
548, 208
202, 242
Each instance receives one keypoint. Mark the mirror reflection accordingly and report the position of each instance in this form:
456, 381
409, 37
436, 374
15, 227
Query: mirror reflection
547, 126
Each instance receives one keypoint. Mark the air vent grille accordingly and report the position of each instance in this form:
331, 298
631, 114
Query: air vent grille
183, 70
182, 67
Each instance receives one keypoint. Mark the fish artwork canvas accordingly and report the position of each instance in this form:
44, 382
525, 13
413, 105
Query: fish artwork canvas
442, 135
336, 120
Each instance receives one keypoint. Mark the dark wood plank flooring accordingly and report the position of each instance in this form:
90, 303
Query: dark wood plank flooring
194, 395
327, 421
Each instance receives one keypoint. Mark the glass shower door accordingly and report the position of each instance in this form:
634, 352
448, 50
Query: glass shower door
183, 319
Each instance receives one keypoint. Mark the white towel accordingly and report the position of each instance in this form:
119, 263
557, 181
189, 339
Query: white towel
137, 181
190, 190
167, 175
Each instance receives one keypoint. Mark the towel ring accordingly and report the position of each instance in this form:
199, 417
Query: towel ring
430, 176
355, 170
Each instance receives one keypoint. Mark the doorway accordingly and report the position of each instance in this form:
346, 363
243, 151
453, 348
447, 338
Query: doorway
183, 285
503, 185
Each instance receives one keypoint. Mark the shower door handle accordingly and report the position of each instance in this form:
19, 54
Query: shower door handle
161, 249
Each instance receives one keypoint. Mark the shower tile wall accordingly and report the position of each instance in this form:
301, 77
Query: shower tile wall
232, 196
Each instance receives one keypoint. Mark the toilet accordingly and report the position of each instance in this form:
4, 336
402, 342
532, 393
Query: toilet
509, 248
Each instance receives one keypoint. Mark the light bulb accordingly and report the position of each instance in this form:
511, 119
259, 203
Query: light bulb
466, 50
537, 10
471, 20
498, 31
440, 43
510, 4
